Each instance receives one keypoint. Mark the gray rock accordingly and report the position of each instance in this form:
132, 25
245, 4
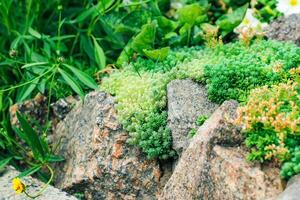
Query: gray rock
99, 162
33, 185
186, 101
285, 29
292, 191
214, 165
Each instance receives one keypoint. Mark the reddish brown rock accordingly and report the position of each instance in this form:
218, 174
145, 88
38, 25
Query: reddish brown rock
99, 162
214, 166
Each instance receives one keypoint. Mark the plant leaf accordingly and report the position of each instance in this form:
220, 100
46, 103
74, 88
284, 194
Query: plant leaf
229, 21
34, 33
30, 171
4, 162
32, 138
99, 54
83, 77
34, 64
157, 54
72, 83
55, 158
190, 13
145, 39
26, 91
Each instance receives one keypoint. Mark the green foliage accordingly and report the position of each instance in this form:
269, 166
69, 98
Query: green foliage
271, 119
154, 137
291, 167
192, 132
201, 119
140, 101
18, 147
266, 10
240, 68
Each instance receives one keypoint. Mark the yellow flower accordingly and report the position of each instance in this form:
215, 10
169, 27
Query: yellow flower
18, 186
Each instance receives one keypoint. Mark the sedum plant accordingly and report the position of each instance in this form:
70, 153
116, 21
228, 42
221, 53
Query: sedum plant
236, 69
230, 70
271, 120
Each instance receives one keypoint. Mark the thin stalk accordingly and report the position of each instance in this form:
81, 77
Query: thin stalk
28, 82
37, 194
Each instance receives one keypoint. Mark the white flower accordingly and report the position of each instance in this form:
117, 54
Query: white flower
250, 23
288, 7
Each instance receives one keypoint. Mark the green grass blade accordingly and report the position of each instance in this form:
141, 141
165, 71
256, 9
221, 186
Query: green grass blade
72, 83
83, 77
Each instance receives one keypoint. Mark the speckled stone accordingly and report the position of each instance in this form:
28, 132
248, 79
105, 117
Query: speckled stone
33, 185
214, 167
285, 29
187, 101
292, 191
99, 162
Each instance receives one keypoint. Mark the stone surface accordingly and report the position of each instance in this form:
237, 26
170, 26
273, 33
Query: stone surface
36, 111
214, 166
33, 185
292, 191
99, 162
187, 101
285, 29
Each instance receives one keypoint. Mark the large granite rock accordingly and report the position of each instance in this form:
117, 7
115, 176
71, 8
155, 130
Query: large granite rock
33, 185
292, 191
285, 29
99, 162
187, 101
214, 165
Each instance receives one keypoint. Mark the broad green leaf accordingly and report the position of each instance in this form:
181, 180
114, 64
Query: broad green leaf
190, 13
166, 24
125, 55
32, 138
145, 39
83, 77
34, 33
229, 21
72, 83
87, 46
4, 162
55, 158
157, 54
99, 54
30, 171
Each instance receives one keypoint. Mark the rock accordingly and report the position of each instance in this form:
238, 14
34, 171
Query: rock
285, 29
99, 162
63, 106
33, 185
214, 166
292, 191
36, 110
187, 101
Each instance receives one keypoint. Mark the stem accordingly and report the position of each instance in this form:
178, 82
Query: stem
35, 195
28, 82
